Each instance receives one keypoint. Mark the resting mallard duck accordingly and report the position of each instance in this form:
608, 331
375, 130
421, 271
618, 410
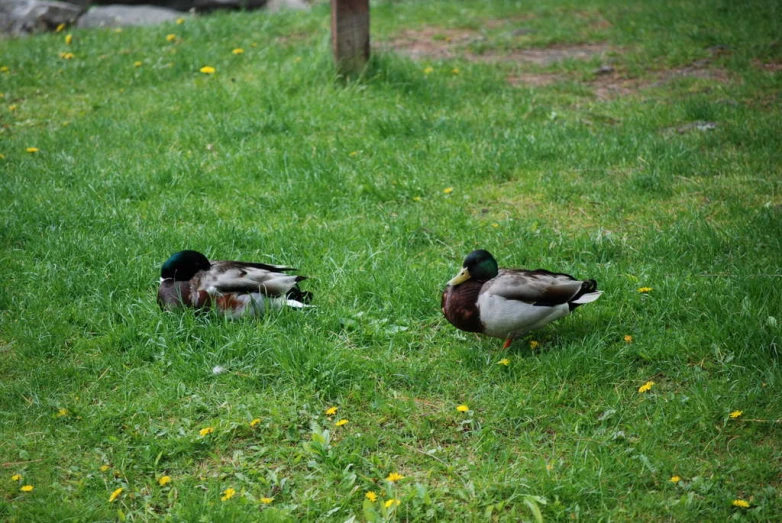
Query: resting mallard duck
233, 288
507, 303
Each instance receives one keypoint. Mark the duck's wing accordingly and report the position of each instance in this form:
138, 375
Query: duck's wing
244, 277
539, 287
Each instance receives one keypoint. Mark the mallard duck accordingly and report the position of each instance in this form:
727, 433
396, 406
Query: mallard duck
233, 288
507, 303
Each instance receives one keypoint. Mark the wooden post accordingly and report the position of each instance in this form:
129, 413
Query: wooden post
350, 34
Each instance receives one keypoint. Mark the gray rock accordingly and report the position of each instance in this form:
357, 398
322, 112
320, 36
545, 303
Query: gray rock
696, 126
210, 5
126, 15
276, 5
186, 5
523, 31
19, 17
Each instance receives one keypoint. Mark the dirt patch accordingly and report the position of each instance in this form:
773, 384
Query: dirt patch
497, 23
550, 55
698, 69
292, 39
431, 42
436, 43
767, 66
615, 85
534, 79
439, 43
593, 18
607, 87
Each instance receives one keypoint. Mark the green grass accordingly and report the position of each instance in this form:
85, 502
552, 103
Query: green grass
276, 159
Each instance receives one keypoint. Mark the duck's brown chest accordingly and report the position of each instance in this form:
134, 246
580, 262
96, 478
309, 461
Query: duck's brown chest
460, 306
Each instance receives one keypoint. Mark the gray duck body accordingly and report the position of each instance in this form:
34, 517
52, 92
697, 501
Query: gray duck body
508, 303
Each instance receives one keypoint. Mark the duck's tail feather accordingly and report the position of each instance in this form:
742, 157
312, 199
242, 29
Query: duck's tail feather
295, 304
587, 298
589, 293
298, 295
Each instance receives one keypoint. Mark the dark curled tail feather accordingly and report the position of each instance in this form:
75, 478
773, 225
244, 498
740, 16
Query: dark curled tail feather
586, 287
299, 295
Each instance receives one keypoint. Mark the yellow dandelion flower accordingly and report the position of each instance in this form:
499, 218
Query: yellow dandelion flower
646, 387
736, 414
628, 338
675, 479
394, 476
255, 422
341, 422
13, 107
740, 503
455, 70
495, 225
104, 468
59, 28
208, 69
27, 488
504, 361
448, 190
170, 37
391, 502
16, 477
331, 411
62, 412
416, 198
238, 50
533, 344
228, 494
371, 496
462, 408
4, 69
206, 431
115, 495
32, 150
137, 64
164, 480
644, 290
266, 501
68, 39
429, 70
66, 56
180, 21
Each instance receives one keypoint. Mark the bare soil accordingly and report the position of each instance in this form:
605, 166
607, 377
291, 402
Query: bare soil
435, 43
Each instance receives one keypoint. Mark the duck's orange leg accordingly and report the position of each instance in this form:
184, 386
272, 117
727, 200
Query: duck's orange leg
507, 343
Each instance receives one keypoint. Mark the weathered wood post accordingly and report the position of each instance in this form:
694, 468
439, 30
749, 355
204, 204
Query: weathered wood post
350, 34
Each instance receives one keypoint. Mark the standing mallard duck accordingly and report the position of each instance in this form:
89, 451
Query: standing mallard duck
234, 288
507, 303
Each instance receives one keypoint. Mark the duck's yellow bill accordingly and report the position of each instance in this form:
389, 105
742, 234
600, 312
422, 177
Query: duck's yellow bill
462, 277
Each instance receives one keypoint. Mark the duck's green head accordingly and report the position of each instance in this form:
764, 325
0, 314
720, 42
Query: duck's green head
479, 265
183, 265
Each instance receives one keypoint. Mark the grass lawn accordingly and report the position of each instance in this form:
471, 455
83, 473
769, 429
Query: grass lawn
637, 143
